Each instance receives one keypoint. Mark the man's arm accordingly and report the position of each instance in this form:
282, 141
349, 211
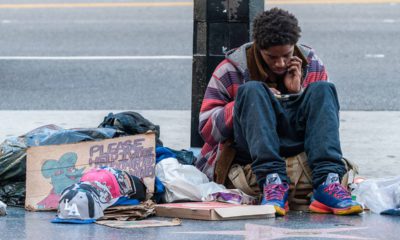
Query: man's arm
316, 70
216, 113
292, 79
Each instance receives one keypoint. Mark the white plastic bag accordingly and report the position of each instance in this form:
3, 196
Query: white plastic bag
3, 209
379, 194
184, 182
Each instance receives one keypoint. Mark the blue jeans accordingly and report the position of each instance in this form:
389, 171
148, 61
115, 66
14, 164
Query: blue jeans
267, 129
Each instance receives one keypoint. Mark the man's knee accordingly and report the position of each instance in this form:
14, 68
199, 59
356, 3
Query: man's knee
322, 89
252, 87
322, 92
321, 86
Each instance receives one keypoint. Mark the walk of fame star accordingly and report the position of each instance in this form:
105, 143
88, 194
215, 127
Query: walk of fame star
261, 232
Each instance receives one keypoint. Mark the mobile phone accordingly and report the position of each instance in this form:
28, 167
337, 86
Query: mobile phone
287, 97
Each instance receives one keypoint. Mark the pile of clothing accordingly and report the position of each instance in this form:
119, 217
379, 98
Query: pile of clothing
98, 189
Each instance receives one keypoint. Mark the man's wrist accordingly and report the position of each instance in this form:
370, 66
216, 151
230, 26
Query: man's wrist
299, 90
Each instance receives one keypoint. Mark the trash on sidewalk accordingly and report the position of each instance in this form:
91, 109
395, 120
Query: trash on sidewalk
12, 160
379, 195
51, 169
13, 193
131, 123
184, 182
214, 211
3, 209
183, 156
129, 212
141, 223
234, 196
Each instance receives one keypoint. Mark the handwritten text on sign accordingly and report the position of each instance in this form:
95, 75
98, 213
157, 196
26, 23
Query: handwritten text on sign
126, 155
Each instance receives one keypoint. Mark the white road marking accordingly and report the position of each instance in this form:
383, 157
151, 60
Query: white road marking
374, 55
389, 20
47, 58
278, 2
95, 5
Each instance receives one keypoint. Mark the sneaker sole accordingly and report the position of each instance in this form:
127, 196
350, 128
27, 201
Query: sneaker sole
318, 207
281, 211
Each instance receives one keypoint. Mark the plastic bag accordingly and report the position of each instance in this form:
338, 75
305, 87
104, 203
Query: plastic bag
234, 196
54, 135
379, 195
183, 156
131, 123
12, 160
13, 193
3, 209
184, 182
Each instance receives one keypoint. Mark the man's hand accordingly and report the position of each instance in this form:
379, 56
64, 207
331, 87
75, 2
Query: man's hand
292, 79
275, 91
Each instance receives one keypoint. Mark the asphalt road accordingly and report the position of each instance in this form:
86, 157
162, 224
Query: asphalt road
62, 58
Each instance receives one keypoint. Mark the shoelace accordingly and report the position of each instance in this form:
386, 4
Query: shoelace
337, 190
274, 191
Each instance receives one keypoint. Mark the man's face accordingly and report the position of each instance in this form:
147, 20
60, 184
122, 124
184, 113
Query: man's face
278, 57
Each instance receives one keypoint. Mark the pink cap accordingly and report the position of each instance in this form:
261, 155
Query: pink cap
105, 177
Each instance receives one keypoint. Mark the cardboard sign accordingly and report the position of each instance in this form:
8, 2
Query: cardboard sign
50, 169
214, 211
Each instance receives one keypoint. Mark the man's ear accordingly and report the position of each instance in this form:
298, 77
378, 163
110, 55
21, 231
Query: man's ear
49, 167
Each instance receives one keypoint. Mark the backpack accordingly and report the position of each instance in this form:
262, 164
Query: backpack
300, 189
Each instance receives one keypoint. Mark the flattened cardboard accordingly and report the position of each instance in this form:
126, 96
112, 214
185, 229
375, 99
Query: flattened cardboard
141, 223
50, 169
214, 211
129, 212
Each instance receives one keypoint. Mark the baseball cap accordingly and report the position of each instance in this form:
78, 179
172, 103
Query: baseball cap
81, 203
122, 182
84, 202
138, 189
104, 176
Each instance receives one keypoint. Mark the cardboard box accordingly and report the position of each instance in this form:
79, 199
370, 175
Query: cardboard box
214, 211
50, 169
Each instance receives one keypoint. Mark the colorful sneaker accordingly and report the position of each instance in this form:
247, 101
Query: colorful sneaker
276, 194
332, 197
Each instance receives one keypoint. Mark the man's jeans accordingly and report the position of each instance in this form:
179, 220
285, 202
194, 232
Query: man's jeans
267, 129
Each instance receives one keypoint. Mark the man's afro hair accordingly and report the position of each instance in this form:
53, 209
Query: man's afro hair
275, 27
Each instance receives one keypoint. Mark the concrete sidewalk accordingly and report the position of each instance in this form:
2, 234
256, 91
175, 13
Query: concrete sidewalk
371, 139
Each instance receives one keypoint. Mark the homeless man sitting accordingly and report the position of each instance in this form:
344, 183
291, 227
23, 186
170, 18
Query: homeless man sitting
273, 98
